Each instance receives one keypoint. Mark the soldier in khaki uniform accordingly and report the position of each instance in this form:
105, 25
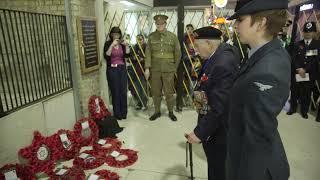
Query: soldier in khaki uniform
163, 54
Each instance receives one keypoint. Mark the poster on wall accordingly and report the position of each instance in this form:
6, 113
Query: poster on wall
88, 44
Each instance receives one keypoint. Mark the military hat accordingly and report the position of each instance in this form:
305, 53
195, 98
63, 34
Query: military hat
255, 6
240, 3
310, 27
208, 32
160, 18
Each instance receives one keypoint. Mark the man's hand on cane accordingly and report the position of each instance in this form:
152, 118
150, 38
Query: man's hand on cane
192, 138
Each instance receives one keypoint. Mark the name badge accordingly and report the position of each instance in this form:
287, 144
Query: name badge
114, 65
313, 52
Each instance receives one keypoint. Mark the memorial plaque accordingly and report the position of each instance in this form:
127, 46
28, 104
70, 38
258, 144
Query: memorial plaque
88, 44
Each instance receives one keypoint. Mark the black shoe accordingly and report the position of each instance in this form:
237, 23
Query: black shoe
178, 109
318, 119
155, 116
291, 112
118, 117
304, 115
172, 116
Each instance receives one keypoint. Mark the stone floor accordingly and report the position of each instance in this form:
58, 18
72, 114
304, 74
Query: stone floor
162, 155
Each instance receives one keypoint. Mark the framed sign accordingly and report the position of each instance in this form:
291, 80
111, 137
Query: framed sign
88, 44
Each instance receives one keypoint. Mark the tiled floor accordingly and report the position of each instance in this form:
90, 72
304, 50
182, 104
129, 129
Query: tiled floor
162, 155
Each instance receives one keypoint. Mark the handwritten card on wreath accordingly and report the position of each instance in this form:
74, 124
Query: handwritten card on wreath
102, 141
93, 177
11, 175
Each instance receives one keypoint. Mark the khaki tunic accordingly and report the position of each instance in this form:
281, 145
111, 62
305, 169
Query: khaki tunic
163, 54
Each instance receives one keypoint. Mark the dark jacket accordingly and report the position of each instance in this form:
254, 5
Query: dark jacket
257, 97
221, 69
108, 58
138, 53
310, 63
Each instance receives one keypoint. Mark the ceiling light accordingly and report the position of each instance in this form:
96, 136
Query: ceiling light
306, 7
127, 3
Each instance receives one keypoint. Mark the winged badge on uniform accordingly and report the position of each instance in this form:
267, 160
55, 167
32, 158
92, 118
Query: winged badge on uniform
263, 87
201, 102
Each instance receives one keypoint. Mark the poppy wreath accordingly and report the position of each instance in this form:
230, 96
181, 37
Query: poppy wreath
96, 160
41, 154
111, 143
72, 173
98, 109
86, 141
107, 175
22, 172
132, 157
74, 147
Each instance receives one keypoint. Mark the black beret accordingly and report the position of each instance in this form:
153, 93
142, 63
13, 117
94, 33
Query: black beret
208, 32
310, 27
255, 6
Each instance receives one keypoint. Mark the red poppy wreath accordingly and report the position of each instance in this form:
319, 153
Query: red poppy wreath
68, 144
122, 158
17, 170
89, 159
87, 131
41, 154
97, 108
66, 173
107, 175
107, 145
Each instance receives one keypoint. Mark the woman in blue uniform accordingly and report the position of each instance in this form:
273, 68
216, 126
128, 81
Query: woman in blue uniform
255, 149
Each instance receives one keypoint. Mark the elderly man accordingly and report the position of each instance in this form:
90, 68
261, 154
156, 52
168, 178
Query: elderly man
211, 97
162, 58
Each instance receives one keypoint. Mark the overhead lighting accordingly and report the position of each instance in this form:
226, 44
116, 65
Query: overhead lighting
127, 3
306, 7
126, 9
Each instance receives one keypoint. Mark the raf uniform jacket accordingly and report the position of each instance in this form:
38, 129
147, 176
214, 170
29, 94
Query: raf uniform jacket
216, 81
308, 57
257, 97
163, 52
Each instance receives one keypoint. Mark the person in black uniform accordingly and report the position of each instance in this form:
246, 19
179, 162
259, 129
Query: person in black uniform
255, 149
306, 70
211, 97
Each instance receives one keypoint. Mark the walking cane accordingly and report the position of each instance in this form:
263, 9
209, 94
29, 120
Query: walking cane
189, 146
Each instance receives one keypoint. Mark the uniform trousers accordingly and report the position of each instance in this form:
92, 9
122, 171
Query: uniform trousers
162, 81
216, 158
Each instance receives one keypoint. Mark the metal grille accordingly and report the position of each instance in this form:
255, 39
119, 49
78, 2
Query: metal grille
34, 58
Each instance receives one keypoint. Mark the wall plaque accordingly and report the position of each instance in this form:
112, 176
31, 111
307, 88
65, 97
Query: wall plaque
88, 44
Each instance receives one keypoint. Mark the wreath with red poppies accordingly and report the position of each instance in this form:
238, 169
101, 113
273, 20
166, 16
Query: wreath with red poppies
88, 135
94, 160
70, 173
41, 154
22, 172
107, 175
110, 145
68, 144
97, 108
131, 158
